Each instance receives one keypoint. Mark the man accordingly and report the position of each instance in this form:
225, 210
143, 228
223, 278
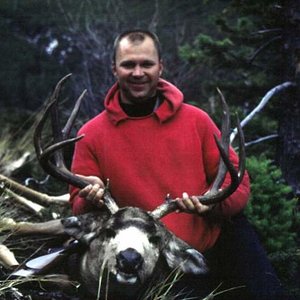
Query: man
149, 143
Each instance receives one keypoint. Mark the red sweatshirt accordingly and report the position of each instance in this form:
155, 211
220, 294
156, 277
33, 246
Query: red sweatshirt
170, 151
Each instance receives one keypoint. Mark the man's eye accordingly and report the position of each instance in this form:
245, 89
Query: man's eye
128, 65
147, 64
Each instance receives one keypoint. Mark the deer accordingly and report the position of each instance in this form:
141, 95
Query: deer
107, 250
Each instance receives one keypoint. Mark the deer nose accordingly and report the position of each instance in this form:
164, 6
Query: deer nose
129, 260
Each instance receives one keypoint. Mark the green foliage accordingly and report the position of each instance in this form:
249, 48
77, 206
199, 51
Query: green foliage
270, 210
227, 55
242, 54
206, 47
275, 217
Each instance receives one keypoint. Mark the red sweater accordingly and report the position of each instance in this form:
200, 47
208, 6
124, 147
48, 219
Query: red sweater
170, 151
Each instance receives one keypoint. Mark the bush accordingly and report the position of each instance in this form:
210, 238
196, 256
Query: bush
270, 209
273, 212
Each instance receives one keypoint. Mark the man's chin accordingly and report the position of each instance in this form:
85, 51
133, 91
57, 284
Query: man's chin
136, 98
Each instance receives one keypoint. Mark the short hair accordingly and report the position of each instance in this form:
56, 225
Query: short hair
135, 36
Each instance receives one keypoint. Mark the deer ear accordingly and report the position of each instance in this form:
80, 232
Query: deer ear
85, 227
179, 255
74, 227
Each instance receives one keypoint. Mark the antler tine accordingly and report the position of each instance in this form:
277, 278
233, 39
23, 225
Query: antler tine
61, 139
225, 141
57, 170
242, 150
215, 194
55, 122
69, 125
41, 123
169, 206
109, 200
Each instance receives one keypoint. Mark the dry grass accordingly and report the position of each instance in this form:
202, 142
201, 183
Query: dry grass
13, 146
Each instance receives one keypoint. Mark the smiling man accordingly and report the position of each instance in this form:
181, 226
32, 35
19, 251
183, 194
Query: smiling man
137, 67
149, 143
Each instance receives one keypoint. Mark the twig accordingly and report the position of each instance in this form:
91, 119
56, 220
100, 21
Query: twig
264, 46
262, 139
14, 165
31, 206
215, 292
7, 258
267, 31
31, 194
262, 104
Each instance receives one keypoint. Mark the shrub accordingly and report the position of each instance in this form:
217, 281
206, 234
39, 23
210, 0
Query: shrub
273, 212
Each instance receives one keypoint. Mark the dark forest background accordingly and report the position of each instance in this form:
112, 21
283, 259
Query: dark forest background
248, 49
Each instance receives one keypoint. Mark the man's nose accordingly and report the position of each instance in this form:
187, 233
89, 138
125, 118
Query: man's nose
138, 71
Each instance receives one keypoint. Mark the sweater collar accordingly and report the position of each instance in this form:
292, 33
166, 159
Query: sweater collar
172, 100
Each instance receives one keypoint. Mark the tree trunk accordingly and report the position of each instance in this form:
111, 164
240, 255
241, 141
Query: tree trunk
289, 125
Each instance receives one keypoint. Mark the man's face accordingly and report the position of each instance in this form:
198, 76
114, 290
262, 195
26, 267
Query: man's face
137, 69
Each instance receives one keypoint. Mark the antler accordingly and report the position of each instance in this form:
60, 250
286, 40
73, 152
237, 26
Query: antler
61, 139
216, 194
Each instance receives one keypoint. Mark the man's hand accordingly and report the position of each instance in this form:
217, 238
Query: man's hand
94, 191
192, 205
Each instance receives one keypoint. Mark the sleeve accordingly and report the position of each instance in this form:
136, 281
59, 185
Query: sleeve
84, 162
237, 201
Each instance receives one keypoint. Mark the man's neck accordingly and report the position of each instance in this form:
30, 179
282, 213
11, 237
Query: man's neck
140, 109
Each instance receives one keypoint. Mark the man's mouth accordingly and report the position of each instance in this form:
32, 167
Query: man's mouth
137, 86
137, 83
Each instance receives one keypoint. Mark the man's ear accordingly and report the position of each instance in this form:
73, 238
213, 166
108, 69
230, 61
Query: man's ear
113, 69
161, 67
179, 255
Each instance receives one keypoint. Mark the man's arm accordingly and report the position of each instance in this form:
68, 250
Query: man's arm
211, 157
85, 165
230, 206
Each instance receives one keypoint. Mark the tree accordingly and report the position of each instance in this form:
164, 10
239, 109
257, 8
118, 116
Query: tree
275, 218
27, 71
246, 59
289, 124
243, 48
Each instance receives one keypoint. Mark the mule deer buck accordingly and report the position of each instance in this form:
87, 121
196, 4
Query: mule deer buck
127, 245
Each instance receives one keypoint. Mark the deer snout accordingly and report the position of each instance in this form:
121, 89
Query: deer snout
129, 260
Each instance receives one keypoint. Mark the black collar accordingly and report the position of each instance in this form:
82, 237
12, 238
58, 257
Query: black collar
141, 109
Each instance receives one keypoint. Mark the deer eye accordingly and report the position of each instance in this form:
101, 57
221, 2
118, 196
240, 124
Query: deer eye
154, 239
109, 233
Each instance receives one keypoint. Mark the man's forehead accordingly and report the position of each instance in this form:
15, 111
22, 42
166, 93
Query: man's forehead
126, 41
127, 46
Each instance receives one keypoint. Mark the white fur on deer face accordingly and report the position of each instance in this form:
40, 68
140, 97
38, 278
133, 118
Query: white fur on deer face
131, 255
